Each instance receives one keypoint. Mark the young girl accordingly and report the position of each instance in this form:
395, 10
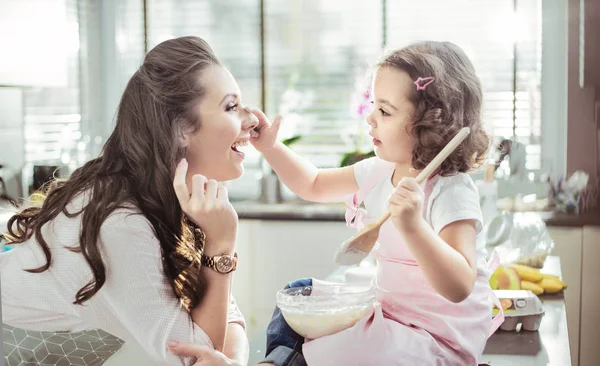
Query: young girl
432, 276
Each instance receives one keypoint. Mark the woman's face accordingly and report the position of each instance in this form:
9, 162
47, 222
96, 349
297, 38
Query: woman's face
214, 149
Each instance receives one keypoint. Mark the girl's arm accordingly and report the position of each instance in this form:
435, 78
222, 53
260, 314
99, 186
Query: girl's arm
448, 260
305, 180
297, 173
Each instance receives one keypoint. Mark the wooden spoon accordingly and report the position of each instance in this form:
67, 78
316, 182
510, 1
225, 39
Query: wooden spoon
355, 249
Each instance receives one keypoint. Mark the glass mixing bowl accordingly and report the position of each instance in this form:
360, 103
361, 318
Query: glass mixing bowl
317, 311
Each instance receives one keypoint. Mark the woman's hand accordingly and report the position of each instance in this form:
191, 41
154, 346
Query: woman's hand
264, 135
406, 204
209, 207
204, 355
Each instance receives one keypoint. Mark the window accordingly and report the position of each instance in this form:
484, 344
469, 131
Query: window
231, 27
315, 54
52, 115
314, 57
503, 42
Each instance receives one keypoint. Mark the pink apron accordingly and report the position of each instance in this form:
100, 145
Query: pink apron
411, 324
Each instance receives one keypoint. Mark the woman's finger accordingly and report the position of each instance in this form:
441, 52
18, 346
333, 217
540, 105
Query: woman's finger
190, 350
222, 194
198, 182
179, 184
211, 190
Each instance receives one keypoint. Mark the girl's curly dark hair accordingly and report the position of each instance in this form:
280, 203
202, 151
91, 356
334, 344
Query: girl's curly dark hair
451, 102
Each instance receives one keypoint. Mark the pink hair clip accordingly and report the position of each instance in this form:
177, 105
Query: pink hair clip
422, 83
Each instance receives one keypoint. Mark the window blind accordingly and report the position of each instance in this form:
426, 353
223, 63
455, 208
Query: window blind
315, 58
504, 44
129, 38
232, 29
316, 52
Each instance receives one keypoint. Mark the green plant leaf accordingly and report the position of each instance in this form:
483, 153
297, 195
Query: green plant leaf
291, 140
354, 157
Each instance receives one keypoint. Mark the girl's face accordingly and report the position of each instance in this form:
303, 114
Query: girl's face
392, 115
214, 149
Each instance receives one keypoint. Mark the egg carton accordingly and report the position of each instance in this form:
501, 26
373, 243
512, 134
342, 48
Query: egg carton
520, 307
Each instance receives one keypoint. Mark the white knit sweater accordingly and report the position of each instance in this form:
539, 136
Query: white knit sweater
135, 304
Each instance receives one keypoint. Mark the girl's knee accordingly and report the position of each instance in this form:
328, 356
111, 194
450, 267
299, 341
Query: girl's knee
302, 282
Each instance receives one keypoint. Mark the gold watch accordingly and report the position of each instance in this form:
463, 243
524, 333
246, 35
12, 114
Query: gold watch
221, 263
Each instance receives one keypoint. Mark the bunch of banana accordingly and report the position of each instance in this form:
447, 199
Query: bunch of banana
535, 281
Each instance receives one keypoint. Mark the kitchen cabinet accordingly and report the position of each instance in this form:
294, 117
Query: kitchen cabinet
568, 243
273, 253
590, 291
579, 252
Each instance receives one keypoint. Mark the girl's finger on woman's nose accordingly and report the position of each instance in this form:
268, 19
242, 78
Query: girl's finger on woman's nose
262, 118
253, 119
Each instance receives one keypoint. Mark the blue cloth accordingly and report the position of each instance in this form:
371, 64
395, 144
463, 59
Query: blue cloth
284, 345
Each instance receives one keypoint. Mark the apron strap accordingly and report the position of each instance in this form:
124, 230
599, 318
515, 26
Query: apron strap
499, 318
354, 214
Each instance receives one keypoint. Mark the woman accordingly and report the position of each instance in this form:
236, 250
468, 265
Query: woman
117, 246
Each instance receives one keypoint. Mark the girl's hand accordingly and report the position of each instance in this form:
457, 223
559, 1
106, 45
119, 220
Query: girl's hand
406, 204
264, 135
204, 356
209, 207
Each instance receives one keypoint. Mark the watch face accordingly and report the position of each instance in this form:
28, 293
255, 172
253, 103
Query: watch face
225, 264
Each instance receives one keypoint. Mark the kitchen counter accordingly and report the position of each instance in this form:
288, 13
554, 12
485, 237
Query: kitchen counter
302, 210
548, 346
290, 210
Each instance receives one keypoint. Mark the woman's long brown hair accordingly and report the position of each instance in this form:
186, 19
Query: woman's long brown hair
136, 166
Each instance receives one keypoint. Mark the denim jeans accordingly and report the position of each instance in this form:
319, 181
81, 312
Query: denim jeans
284, 346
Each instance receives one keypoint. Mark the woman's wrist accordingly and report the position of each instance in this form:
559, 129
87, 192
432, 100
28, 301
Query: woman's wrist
210, 247
224, 247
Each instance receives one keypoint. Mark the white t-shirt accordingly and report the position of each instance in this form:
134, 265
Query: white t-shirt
452, 199
136, 303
